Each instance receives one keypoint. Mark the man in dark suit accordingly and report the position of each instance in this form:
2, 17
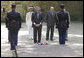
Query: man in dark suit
37, 18
63, 24
13, 23
51, 20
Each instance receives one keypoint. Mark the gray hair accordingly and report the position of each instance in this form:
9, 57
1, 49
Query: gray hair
37, 7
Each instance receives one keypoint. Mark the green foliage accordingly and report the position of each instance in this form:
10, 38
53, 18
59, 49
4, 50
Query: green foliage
75, 8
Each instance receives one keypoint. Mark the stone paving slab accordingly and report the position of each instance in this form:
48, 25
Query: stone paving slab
47, 51
26, 48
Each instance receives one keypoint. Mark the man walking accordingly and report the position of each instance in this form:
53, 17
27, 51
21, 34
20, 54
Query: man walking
51, 21
63, 24
13, 24
37, 18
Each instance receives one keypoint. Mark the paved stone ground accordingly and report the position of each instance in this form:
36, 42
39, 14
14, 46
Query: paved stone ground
26, 48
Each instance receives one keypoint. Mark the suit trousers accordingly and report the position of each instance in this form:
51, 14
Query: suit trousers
13, 35
52, 33
62, 36
37, 31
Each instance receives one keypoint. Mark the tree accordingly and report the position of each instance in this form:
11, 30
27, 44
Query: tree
75, 8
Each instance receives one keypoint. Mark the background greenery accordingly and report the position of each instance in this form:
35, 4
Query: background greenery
75, 8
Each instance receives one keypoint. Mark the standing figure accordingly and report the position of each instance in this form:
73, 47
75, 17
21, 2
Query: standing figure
13, 23
51, 20
29, 22
37, 18
63, 24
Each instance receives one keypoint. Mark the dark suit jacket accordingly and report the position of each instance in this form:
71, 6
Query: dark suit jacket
13, 15
35, 20
51, 20
63, 18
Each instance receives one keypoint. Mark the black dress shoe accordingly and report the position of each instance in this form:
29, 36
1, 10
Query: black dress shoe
66, 39
47, 39
51, 39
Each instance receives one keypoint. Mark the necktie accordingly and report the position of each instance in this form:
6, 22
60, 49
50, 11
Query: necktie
52, 13
38, 15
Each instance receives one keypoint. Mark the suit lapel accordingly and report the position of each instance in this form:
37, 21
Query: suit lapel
39, 14
35, 15
51, 14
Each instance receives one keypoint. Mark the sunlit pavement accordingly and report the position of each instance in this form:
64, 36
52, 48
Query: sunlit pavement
26, 48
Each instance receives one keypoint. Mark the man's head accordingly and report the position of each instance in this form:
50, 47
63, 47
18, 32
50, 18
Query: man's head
13, 6
51, 8
37, 9
62, 6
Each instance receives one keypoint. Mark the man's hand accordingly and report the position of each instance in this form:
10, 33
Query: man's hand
56, 26
37, 25
46, 23
14, 21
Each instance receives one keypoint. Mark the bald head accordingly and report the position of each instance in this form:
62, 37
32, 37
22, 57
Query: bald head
51, 8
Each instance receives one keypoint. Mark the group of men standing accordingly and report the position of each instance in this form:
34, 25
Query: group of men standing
60, 19
34, 20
